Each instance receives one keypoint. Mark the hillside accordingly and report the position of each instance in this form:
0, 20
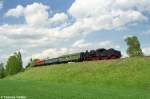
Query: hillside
114, 79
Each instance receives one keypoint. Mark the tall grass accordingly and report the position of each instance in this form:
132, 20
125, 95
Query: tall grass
114, 79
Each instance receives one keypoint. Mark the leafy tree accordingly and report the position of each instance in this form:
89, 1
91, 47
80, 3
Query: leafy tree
133, 46
2, 71
20, 59
14, 64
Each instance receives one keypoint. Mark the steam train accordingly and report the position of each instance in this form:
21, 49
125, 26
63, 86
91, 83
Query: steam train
99, 54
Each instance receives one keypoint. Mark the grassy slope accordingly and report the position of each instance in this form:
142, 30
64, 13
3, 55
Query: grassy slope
115, 79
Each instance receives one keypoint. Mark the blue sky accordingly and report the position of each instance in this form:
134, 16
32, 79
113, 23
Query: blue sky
49, 28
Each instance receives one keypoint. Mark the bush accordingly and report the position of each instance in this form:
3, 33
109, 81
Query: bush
14, 64
2, 71
133, 47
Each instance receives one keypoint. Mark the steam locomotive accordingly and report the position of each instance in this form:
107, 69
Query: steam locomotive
99, 54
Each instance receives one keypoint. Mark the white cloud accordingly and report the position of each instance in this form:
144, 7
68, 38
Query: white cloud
43, 32
146, 51
107, 14
37, 15
32, 36
54, 52
16, 12
108, 44
58, 18
82, 44
78, 46
89, 16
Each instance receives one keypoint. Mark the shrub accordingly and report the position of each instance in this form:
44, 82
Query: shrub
14, 64
2, 71
133, 46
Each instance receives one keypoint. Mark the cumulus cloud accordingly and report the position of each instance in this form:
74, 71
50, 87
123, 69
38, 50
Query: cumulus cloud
54, 52
31, 37
89, 16
16, 12
37, 14
82, 44
107, 14
146, 51
78, 46
58, 19
45, 33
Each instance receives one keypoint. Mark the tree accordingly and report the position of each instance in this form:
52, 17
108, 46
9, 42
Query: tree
20, 59
14, 64
2, 71
133, 46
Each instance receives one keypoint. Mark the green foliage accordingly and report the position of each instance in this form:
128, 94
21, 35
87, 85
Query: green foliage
133, 47
2, 71
14, 64
20, 59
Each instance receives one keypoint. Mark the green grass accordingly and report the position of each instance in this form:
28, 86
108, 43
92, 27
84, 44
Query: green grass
114, 79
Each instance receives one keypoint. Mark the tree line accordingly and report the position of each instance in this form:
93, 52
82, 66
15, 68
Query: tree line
14, 63
13, 66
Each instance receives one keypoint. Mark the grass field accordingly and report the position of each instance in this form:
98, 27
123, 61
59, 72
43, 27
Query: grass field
114, 79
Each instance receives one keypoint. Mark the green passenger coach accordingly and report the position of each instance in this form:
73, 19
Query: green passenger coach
69, 58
